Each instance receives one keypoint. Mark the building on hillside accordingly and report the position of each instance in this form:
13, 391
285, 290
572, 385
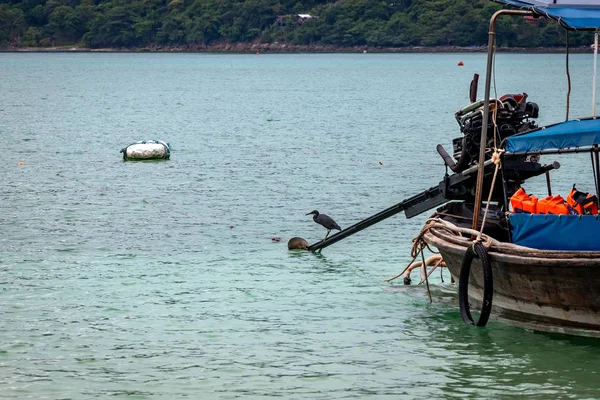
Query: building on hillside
303, 17
283, 20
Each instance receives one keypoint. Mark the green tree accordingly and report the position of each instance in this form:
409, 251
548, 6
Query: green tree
32, 37
399, 30
12, 23
64, 24
173, 29
114, 27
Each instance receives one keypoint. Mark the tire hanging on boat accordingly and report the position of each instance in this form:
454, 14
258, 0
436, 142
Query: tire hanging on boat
479, 251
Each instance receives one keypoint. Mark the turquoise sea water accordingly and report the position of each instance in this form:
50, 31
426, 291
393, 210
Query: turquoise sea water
166, 279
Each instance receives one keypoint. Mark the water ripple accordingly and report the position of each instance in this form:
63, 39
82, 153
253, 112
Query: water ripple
161, 279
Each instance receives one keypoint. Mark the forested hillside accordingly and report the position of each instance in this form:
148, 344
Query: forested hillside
196, 23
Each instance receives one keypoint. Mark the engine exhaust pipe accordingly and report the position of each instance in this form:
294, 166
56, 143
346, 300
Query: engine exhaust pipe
463, 162
446, 157
473, 88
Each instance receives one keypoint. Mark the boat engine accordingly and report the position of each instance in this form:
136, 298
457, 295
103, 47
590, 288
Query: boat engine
513, 115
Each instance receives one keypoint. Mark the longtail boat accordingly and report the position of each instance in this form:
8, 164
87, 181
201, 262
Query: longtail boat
540, 266
534, 263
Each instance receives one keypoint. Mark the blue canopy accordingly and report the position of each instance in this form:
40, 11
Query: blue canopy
565, 135
572, 14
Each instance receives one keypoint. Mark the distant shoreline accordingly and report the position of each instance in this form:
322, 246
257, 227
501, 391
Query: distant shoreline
288, 48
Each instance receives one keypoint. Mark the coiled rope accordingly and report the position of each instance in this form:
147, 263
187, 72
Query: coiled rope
419, 244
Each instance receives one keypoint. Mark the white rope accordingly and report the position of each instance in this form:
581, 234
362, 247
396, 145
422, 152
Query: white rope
438, 223
496, 159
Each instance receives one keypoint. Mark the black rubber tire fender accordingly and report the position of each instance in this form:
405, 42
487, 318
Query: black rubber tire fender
476, 250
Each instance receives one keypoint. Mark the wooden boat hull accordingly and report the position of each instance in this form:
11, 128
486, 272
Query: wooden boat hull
554, 291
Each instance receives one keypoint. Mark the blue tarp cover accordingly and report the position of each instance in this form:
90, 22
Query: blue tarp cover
556, 232
583, 14
569, 134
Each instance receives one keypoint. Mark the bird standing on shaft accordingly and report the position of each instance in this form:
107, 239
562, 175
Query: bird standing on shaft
326, 221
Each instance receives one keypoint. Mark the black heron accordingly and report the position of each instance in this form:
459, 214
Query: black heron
326, 221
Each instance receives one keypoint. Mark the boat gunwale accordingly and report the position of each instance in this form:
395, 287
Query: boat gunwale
512, 253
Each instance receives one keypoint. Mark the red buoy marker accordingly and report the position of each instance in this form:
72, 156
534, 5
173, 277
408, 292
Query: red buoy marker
460, 64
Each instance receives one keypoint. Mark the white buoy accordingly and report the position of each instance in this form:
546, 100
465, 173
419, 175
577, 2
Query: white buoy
147, 150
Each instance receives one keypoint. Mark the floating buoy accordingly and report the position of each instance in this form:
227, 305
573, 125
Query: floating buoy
147, 150
460, 64
21, 163
297, 243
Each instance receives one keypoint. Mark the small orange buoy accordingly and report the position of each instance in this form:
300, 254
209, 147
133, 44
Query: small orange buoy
21, 163
460, 64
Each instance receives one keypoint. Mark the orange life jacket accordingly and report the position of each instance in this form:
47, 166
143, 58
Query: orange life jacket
583, 203
552, 205
543, 205
522, 202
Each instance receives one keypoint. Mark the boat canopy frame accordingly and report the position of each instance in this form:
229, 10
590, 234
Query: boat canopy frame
575, 15
486, 105
571, 15
573, 136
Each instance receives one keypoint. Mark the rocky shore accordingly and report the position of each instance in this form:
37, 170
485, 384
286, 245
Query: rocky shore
291, 48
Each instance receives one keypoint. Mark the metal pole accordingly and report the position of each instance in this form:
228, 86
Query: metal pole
432, 194
486, 108
594, 79
568, 76
597, 171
